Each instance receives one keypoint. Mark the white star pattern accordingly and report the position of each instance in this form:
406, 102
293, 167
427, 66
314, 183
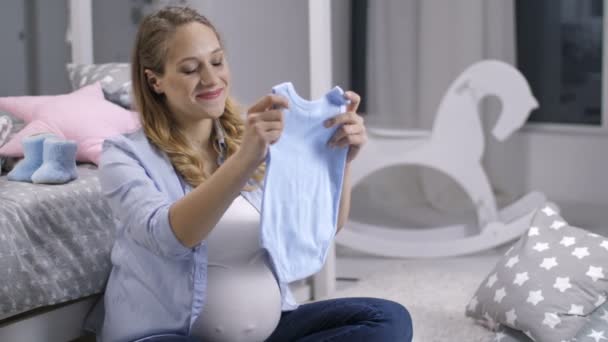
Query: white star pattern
568, 241
576, 310
548, 211
595, 273
551, 320
473, 304
580, 252
604, 244
499, 336
541, 246
107, 79
557, 225
512, 261
597, 335
521, 278
491, 280
535, 297
548, 263
600, 300
511, 317
604, 316
499, 295
562, 284
533, 231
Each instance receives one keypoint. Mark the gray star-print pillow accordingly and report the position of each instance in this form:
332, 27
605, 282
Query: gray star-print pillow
9, 126
595, 330
115, 80
548, 283
6, 126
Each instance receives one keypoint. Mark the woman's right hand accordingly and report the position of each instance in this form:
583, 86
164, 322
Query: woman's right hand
263, 127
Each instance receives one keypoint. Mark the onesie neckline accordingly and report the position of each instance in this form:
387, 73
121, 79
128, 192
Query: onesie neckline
304, 103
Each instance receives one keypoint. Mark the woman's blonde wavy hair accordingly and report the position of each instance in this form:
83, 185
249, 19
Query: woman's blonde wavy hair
150, 52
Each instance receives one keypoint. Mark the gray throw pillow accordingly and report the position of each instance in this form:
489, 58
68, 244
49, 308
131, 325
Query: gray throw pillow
595, 330
6, 126
9, 126
548, 284
115, 80
506, 334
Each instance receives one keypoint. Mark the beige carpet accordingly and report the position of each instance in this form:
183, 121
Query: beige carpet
434, 291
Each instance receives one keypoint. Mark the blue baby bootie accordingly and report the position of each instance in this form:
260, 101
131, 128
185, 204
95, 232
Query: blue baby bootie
59, 162
32, 158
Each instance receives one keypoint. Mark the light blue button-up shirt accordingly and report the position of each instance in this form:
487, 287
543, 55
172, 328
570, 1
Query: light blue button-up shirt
157, 285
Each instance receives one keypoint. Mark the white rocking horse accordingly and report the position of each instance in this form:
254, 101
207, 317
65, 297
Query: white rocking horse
454, 147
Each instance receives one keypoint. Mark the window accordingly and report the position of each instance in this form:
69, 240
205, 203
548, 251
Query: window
560, 51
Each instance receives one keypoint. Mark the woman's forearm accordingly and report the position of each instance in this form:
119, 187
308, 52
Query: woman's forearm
344, 199
193, 216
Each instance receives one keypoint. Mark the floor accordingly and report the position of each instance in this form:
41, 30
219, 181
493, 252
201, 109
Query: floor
435, 291
353, 266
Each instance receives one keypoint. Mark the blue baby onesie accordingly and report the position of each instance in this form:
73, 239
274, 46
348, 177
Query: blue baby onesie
303, 185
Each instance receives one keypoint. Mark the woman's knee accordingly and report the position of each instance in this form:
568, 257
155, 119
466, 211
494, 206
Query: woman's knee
169, 338
396, 316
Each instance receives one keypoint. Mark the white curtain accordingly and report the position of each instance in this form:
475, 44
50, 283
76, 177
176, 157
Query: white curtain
415, 49
392, 63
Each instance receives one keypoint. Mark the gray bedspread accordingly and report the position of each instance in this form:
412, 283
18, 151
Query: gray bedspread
55, 242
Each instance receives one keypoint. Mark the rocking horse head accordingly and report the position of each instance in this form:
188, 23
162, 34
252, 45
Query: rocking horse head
493, 77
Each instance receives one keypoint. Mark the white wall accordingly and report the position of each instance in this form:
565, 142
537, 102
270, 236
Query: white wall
340, 26
12, 37
47, 24
267, 43
114, 30
35, 63
570, 169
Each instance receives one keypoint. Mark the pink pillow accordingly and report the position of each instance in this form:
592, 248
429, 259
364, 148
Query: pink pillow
84, 116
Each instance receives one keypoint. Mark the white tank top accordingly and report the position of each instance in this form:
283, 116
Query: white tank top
243, 301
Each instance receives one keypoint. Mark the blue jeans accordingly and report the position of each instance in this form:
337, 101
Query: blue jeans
345, 319
336, 320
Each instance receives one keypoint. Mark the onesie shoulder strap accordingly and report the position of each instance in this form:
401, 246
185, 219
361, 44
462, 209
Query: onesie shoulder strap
336, 96
282, 88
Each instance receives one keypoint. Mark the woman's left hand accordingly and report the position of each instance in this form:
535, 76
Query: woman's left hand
352, 131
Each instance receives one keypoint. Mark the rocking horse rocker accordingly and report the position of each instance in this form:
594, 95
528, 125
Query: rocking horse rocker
454, 147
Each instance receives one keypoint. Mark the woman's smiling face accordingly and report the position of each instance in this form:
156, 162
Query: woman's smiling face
196, 79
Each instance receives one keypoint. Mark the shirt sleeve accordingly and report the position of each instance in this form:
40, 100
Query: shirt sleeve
136, 202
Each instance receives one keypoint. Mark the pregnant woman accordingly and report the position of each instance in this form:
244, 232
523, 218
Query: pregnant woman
185, 191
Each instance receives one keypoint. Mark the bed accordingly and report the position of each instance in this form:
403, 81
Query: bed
55, 242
